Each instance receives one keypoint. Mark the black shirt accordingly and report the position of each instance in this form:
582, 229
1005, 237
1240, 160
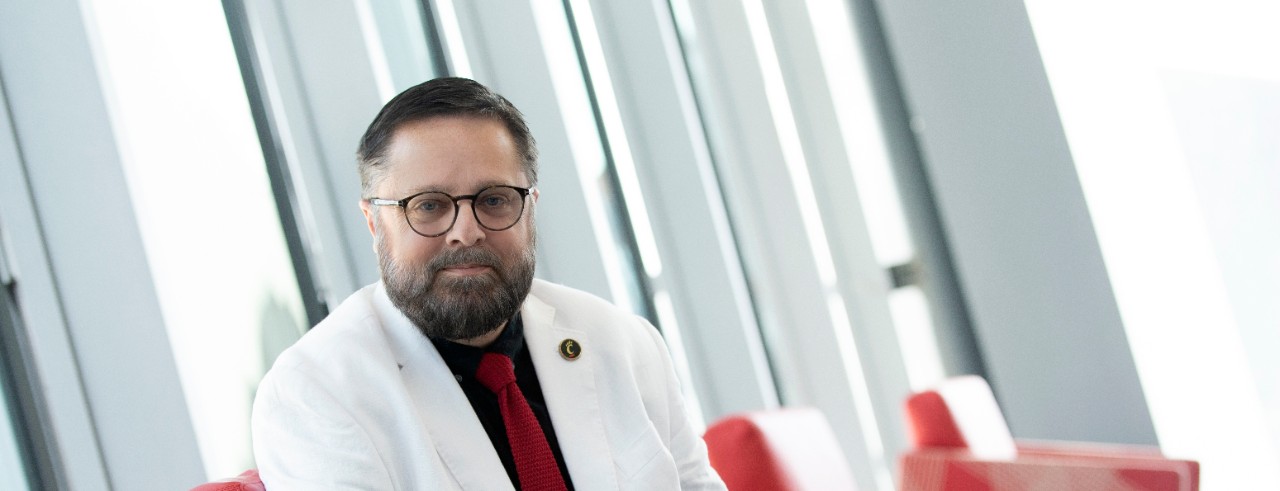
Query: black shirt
464, 360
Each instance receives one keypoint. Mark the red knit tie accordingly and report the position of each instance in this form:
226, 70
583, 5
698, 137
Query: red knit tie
535, 464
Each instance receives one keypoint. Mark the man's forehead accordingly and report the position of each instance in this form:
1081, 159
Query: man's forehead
453, 124
411, 179
453, 154
457, 136
406, 188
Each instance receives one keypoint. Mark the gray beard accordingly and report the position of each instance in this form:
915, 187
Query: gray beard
458, 308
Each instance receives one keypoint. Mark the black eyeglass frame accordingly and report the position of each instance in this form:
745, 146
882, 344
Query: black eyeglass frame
457, 207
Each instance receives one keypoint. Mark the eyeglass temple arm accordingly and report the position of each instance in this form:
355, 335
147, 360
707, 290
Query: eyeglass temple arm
383, 202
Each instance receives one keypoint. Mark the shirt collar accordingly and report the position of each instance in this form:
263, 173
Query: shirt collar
464, 360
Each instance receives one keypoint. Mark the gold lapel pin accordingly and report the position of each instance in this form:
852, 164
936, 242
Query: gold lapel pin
570, 349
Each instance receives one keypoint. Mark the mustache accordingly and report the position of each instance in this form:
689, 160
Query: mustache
474, 255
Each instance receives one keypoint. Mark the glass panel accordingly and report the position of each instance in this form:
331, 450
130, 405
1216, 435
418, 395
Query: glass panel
13, 472
13, 475
561, 41
398, 44
861, 127
1171, 111
629, 196
747, 60
914, 326
197, 177
859, 122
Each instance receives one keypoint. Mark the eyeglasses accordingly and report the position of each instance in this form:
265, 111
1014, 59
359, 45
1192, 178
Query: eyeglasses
496, 208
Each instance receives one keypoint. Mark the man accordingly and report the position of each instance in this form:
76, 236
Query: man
459, 370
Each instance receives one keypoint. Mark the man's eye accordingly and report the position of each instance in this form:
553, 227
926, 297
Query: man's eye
493, 201
429, 205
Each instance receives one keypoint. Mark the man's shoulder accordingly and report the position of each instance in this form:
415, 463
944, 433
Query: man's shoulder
557, 294
567, 307
577, 303
341, 334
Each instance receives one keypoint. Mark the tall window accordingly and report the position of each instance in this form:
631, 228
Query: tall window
861, 129
1171, 111
785, 95
199, 186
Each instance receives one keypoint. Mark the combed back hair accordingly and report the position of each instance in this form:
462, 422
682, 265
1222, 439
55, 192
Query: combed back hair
447, 96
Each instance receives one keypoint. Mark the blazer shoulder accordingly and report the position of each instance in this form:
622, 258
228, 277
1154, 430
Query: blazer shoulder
578, 308
555, 294
352, 327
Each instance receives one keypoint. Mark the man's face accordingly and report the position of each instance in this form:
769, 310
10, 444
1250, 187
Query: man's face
467, 282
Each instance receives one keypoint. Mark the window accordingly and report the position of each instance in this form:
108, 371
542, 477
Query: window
211, 232
1171, 112
800, 154
726, 169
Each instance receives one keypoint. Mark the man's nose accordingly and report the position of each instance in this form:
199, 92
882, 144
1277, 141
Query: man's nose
466, 230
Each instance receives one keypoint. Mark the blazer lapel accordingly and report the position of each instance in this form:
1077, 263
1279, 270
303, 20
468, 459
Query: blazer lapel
456, 432
572, 398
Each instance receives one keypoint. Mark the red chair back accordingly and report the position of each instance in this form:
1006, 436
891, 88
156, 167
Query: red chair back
960, 413
246, 481
784, 450
962, 443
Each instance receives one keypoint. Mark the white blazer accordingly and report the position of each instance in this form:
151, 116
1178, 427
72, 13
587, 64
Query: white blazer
364, 401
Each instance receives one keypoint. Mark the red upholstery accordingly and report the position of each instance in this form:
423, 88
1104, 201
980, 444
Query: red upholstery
963, 444
246, 481
933, 425
784, 450
961, 413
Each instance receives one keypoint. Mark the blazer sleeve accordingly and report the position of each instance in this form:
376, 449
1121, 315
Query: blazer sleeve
686, 445
303, 438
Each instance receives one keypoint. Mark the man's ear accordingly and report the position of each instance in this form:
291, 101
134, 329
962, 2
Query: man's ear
368, 216
371, 221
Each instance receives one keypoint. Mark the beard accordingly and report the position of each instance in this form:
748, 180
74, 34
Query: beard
458, 308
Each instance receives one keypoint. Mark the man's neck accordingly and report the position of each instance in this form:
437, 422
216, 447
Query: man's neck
483, 340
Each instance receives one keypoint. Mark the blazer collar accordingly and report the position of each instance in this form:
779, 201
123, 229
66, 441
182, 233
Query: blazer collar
569, 388
442, 407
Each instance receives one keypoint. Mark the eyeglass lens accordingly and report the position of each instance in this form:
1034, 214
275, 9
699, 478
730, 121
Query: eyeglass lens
496, 208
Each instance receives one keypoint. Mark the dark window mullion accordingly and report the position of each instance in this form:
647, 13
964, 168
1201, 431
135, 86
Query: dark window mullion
282, 188
21, 395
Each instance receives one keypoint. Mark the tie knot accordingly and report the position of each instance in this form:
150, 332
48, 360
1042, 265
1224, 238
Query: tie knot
496, 371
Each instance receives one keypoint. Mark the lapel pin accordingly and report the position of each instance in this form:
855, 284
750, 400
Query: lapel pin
570, 349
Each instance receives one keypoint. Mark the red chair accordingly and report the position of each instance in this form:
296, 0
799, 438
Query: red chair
784, 450
962, 443
246, 481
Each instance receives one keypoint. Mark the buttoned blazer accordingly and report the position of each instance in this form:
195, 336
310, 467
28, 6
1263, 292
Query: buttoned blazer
364, 401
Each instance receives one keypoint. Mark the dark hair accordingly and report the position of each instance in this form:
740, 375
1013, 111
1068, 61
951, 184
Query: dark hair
447, 96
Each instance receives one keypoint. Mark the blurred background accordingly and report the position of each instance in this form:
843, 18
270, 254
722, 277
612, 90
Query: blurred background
825, 203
